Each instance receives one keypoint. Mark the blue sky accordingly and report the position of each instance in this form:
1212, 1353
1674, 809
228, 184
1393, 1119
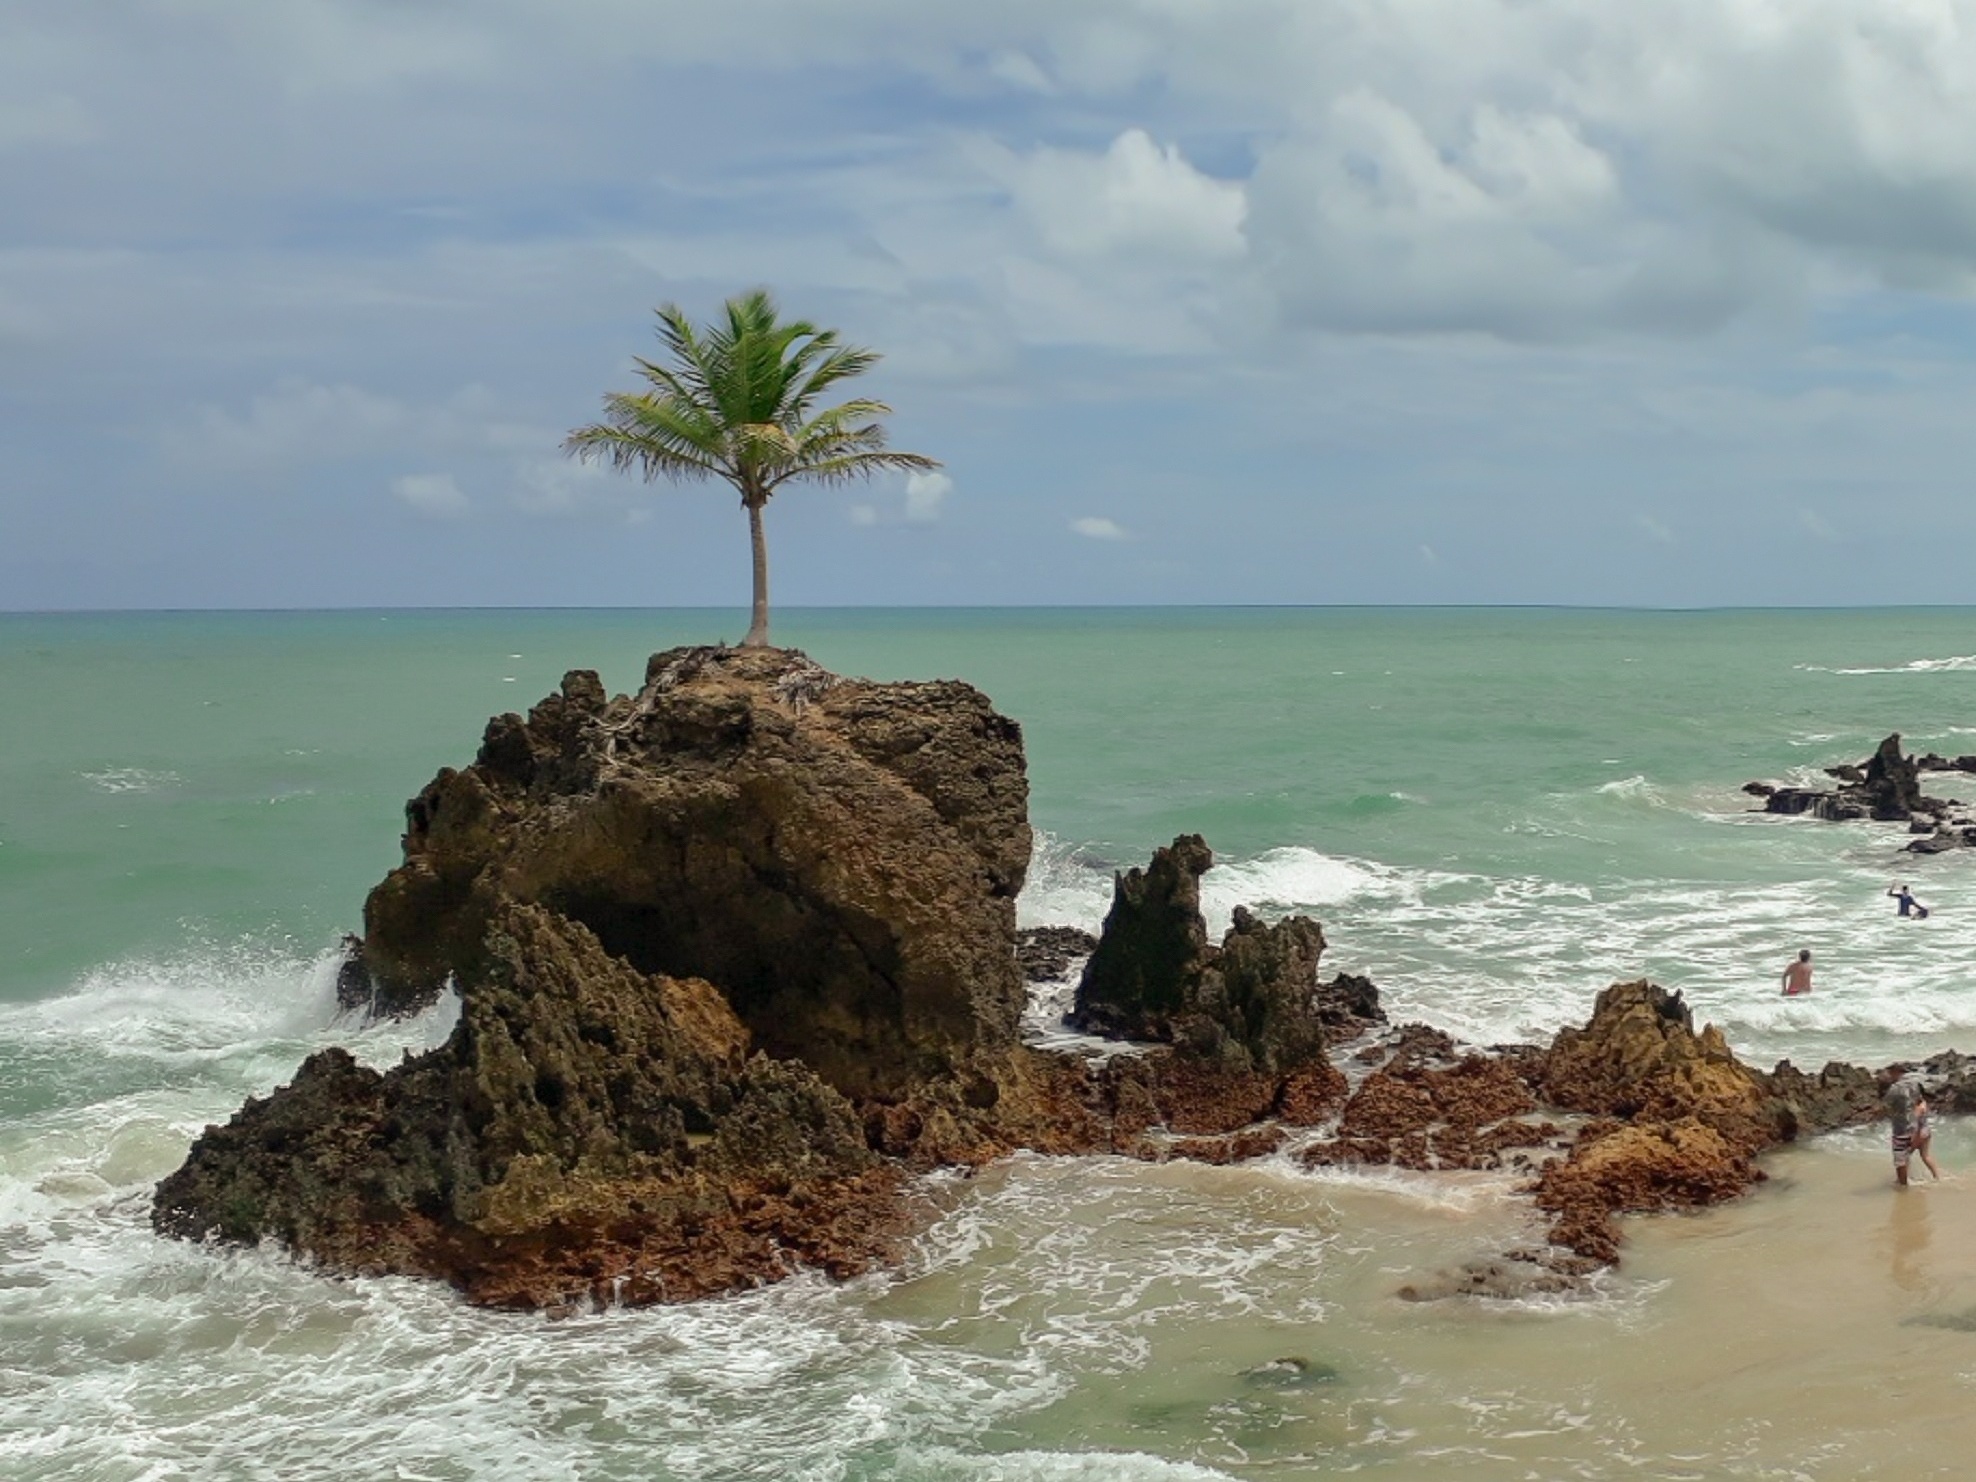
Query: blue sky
1197, 300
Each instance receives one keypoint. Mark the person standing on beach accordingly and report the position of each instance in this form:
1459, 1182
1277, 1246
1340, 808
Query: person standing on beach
1907, 1111
1924, 1134
1797, 977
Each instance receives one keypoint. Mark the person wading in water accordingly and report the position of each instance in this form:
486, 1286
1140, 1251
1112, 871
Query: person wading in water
1908, 905
1797, 977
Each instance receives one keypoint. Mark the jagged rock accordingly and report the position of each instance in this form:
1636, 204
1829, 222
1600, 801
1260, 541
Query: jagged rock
1679, 1117
1312, 1095
1239, 1147
1420, 1111
1644, 1166
1886, 786
720, 947
1153, 948
1891, 779
1640, 1059
1048, 953
842, 857
353, 984
1832, 807
584, 1122
1253, 1004
736, 957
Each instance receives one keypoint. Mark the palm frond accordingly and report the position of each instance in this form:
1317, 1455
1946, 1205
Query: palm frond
686, 385
655, 435
840, 363
630, 452
834, 421
740, 399
847, 467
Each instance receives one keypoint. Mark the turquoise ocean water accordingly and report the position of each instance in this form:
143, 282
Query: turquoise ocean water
1494, 813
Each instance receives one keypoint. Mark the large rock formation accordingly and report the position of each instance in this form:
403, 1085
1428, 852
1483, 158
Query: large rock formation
721, 947
736, 956
841, 857
587, 1131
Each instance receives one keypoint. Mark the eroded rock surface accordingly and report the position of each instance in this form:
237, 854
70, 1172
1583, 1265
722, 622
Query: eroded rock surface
736, 958
1253, 1004
588, 1131
1885, 787
841, 857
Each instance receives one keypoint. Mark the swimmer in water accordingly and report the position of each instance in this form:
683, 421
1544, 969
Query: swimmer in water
1797, 977
1907, 905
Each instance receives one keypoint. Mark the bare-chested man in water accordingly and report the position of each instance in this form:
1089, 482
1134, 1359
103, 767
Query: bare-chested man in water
1797, 977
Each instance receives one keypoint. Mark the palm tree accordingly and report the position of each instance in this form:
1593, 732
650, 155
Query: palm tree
738, 401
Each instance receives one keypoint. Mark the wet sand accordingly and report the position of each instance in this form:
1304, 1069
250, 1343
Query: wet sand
1823, 1327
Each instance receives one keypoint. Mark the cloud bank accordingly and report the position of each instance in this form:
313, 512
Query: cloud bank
1494, 277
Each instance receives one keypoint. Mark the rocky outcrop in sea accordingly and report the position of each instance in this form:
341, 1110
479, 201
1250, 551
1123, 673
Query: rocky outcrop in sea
1885, 787
736, 960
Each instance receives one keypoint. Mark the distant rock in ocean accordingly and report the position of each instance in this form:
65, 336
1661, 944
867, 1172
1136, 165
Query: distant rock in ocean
736, 958
1885, 787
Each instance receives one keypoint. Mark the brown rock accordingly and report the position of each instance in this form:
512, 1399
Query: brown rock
1312, 1095
584, 1121
1684, 1164
841, 857
1048, 953
1416, 1113
1639, 1058
1252, 1005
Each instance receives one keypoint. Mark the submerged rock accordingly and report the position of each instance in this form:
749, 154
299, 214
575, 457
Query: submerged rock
1291, 1372
1049, 953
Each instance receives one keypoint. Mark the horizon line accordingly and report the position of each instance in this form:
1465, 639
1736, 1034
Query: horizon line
820, 607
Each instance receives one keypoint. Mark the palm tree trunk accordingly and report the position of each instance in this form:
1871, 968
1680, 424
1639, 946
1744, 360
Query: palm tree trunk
758, 622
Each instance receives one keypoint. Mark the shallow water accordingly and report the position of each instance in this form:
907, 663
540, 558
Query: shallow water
1065, 1319
1493, 814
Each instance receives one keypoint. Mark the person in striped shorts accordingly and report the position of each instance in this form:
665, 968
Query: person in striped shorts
1907, 1110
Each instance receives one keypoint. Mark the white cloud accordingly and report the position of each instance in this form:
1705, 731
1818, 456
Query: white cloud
295, 421
563, 486
1422, 236
1019, 70
863, 514
925, 494
1097, 527
300, 422
434, 494
1138, 198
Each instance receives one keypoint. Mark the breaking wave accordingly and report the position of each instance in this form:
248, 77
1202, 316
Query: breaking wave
1955, 664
